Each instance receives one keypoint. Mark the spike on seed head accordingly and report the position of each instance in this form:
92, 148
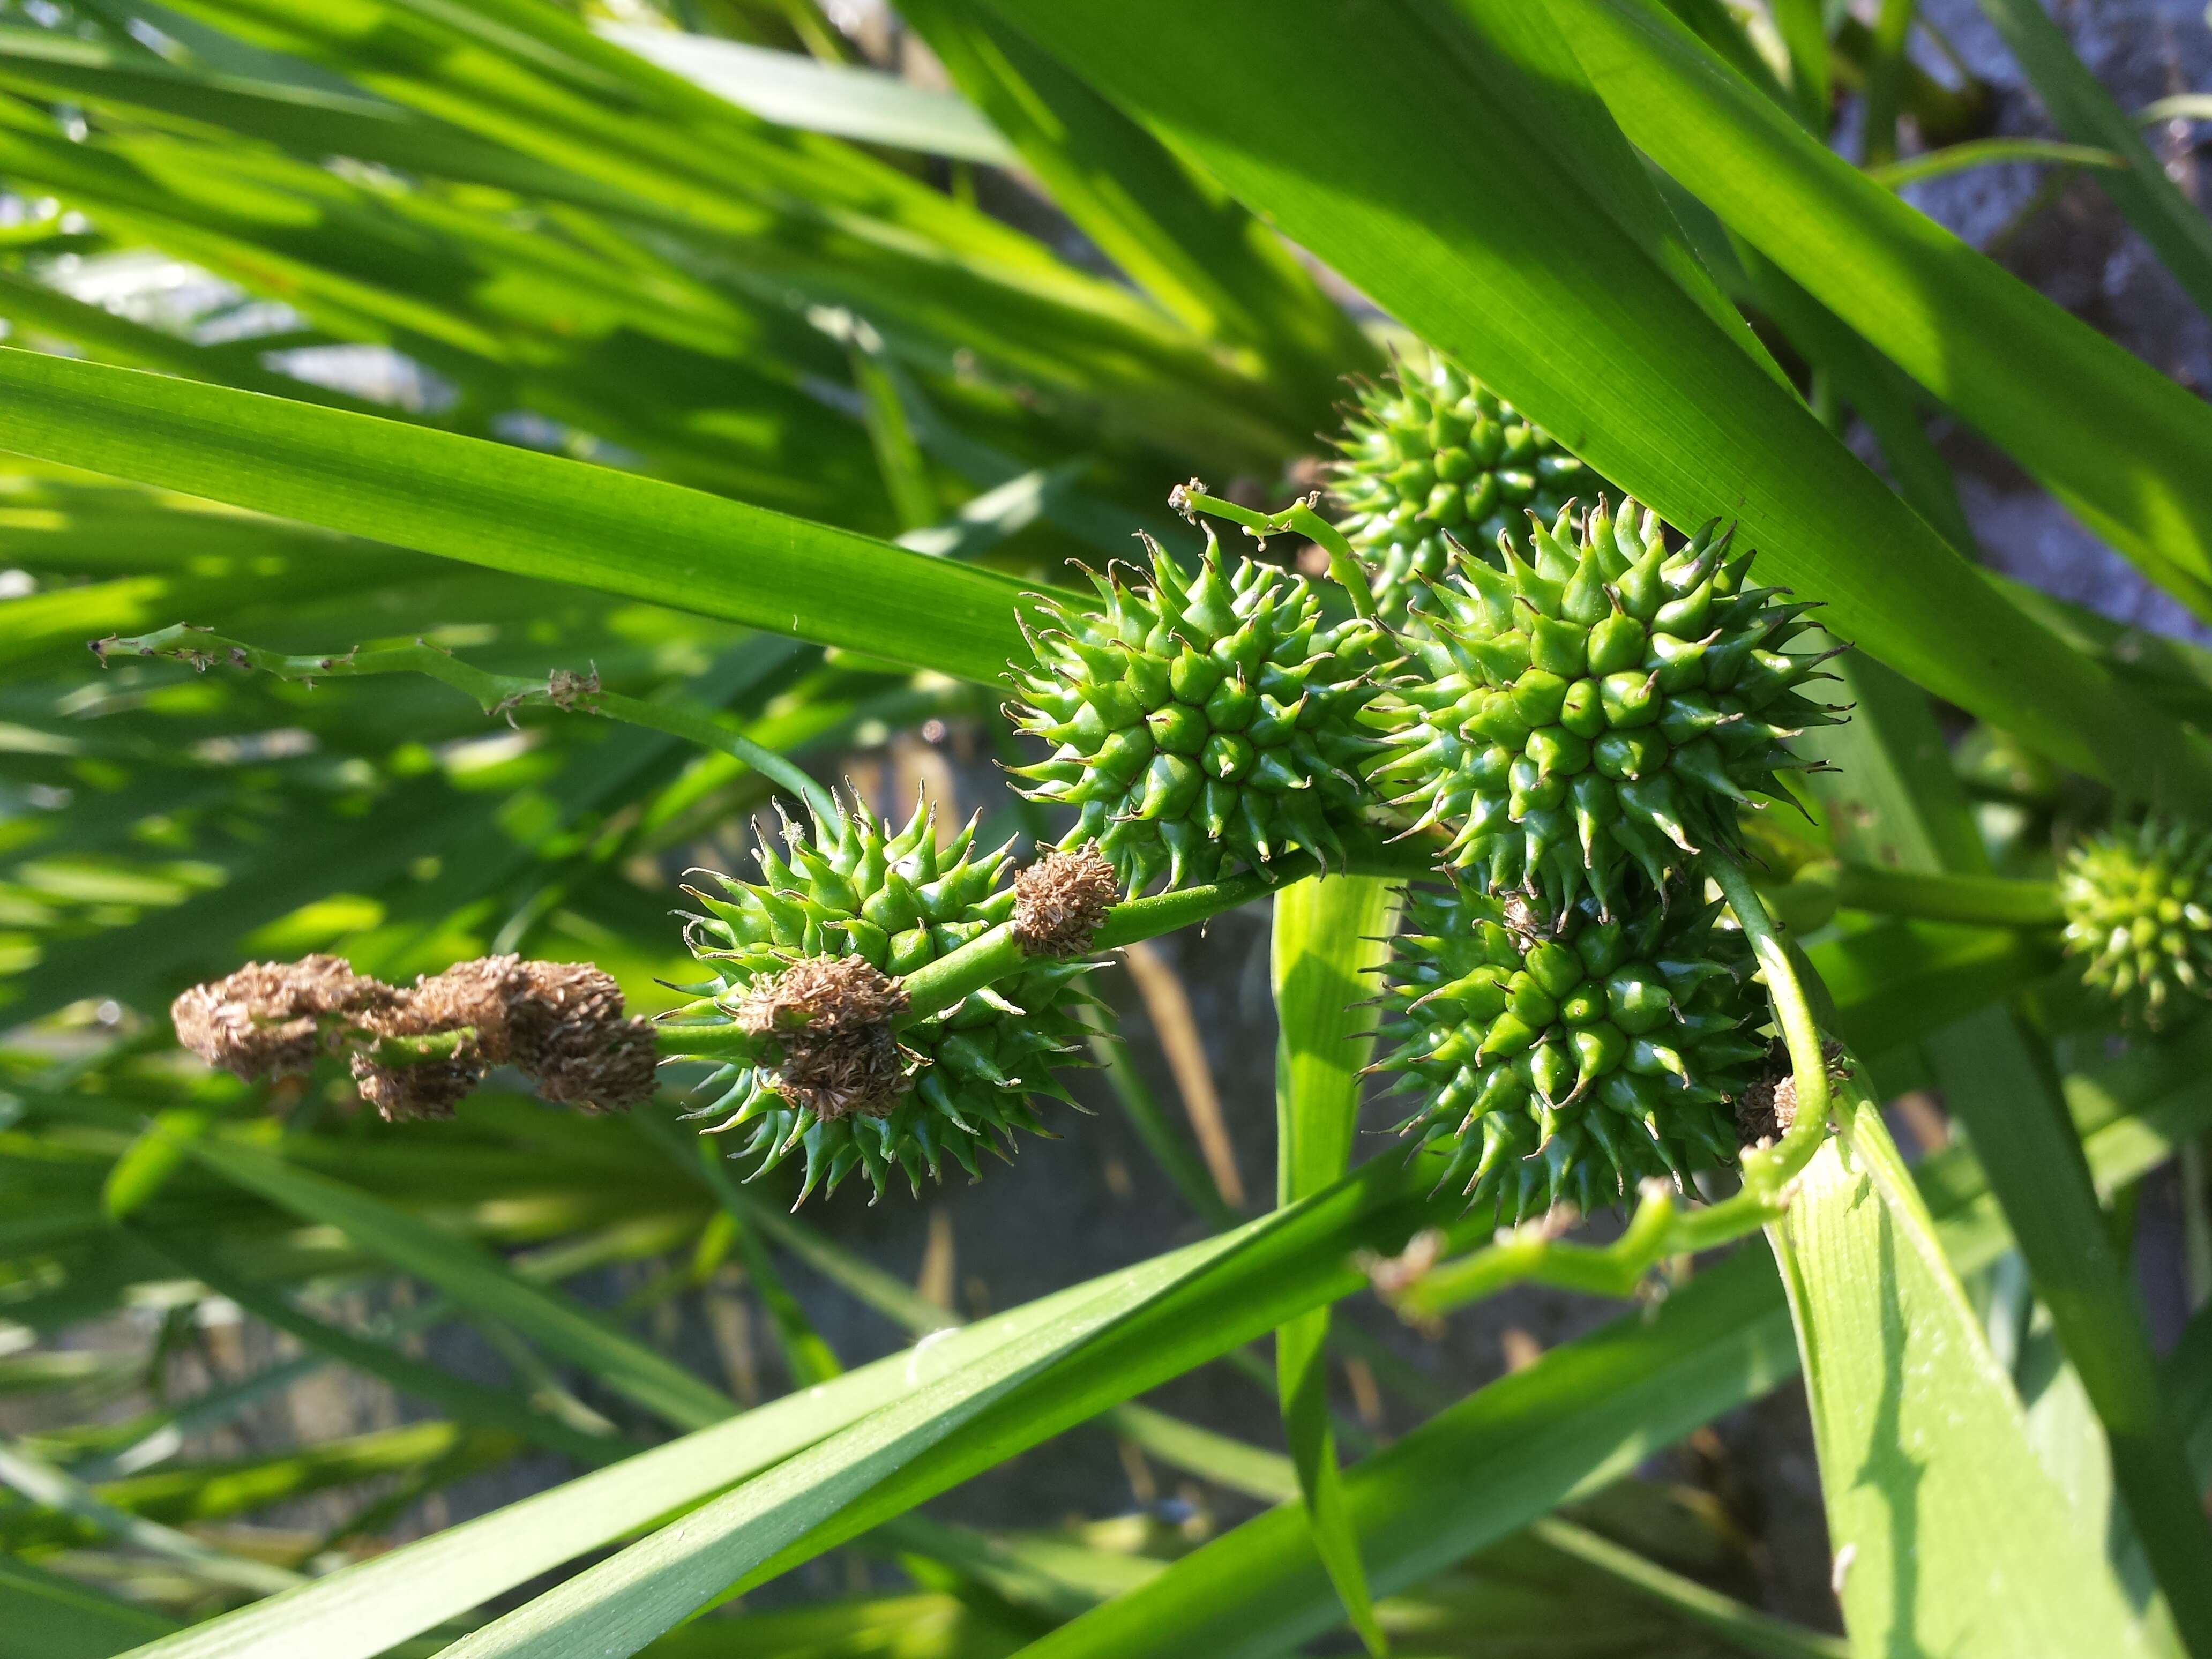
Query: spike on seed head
1596, 1047
1586, 725
1200, 723
1061, 900
1433, 455
886, 900
2138, 908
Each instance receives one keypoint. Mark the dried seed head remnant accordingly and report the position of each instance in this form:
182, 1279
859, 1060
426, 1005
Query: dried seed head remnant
268, 1019
1766, 1109
830, 1018
429, 1088
1061, 900
561, 1022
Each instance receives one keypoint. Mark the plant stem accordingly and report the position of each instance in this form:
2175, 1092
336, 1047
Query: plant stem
495, 694
1765, 1172
426, 1050
1299, 518
1990, 901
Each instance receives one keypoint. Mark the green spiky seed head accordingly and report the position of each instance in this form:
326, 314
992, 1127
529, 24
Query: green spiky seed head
949, 1085
1202, 723
1567, 1059
2138, 906
1601, 705
1432, 450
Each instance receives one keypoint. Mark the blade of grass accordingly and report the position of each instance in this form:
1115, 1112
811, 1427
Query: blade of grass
1990, 152
792, 91
473, 1278
42, 1483
44, 1615
1805, 34
1231, 1290
1174, 231
468, 1403
1330, 934
1586, 1412
512, 509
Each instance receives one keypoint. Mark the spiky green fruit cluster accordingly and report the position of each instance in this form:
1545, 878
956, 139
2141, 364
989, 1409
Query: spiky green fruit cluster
1565, 1060
1432, 450
1600, 706
849, 886
1204, 722
2138, 906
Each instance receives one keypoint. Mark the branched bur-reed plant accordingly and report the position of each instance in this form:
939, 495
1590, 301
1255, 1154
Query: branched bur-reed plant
815, 433
1572, 1013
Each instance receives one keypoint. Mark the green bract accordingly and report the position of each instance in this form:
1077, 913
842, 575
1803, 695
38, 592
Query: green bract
1607, 703
1567, 1061
1199, 722
1432, 450
2138, 906
897, 901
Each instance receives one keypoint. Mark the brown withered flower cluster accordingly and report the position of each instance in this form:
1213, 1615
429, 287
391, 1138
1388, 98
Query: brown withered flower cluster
1062, 901
829, 1020
562, 1022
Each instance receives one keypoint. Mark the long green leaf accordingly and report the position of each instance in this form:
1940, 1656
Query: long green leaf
44, 1615
1897, 803
515, 510
1352, 131
1180, 239
475, 1279
1231, 1291
470, 1402
2127, 449
793, 91
1329, 936
1949, 1537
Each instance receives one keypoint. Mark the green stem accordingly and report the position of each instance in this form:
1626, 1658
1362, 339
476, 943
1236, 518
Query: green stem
1765, 1173
1990, 901
1300, 518
425, 1050
495, 694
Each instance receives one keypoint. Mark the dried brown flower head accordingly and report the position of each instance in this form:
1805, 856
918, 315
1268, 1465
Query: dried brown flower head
1061, 900
830, 1019
428, 1088
271, 1019
561, 1022
1768, 1109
